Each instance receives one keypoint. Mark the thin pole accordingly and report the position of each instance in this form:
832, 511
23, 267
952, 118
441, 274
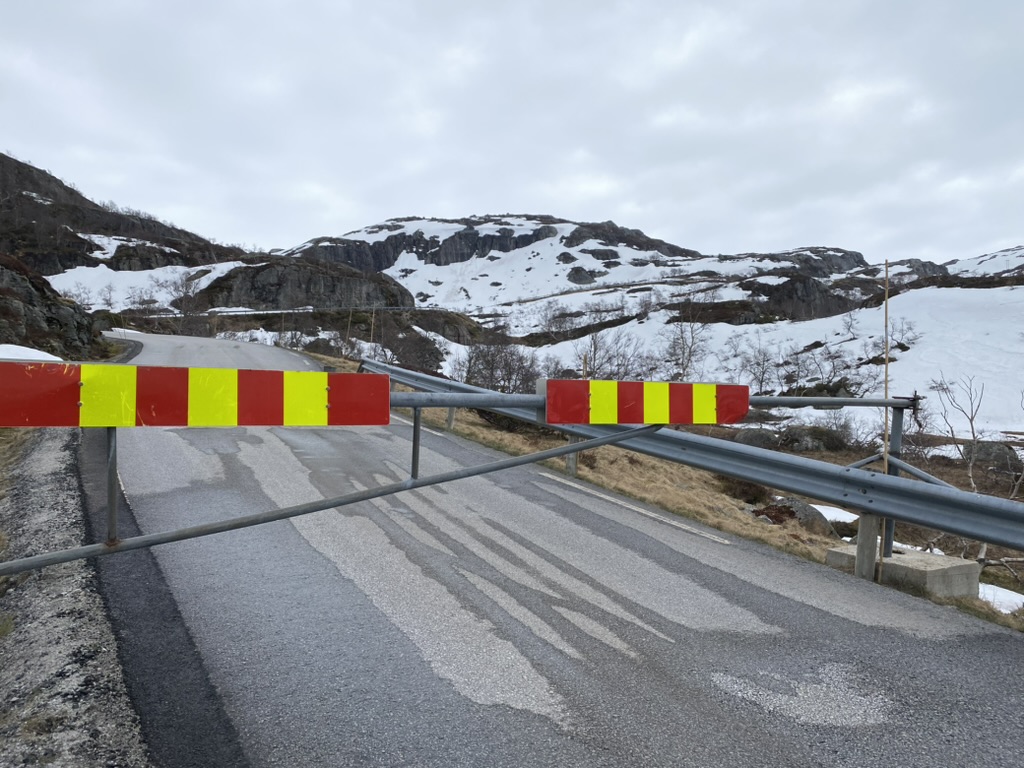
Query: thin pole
112, 495
885, 543
417, 423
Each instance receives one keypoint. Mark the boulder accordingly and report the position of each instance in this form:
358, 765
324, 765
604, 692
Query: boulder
998, 456
758, 438
789, 508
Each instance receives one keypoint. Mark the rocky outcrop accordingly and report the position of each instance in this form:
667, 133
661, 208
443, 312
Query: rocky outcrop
290, 283
803, 298
40, 216
33, 315
611, 234
462, 246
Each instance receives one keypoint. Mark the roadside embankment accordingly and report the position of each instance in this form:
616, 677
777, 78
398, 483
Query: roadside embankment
63, 700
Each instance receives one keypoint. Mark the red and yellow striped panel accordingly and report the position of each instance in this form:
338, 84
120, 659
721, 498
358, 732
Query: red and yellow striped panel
67, 395
644, 402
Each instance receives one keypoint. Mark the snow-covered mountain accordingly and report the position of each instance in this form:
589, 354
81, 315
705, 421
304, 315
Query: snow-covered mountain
806, 315
569, 293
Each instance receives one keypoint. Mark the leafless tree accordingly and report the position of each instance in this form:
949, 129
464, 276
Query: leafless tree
686, 336
500, 367
183, 289
557, 319
613, 354
79, 293
963, 397
751, 361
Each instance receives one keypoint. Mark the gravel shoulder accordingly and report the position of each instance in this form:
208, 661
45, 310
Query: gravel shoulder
64, 700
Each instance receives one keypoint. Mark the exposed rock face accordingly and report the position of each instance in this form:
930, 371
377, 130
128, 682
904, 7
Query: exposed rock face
40, 216
32, 314
809, 262
285, 284
382, 254
803, 298
611, 234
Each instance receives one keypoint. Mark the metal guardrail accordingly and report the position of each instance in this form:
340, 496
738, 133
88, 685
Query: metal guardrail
985, 518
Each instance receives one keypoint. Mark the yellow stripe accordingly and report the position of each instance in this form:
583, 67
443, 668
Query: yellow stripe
212, 397
108, 396
604, 402
705, 404
305, 399
656, 402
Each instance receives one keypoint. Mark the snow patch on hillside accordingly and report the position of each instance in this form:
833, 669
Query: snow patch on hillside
108, 245
101, 287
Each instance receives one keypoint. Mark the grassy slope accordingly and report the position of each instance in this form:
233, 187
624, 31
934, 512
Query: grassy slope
11, 441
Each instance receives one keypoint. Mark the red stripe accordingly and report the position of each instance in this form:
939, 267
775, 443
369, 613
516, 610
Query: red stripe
680, 403
631, 402
733, 403
39, 395
260, 398
358, 399
161, 397
568, 401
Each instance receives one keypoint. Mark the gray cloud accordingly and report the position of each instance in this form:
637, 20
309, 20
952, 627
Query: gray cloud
890, 128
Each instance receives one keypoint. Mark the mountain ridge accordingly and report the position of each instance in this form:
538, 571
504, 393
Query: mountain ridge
422, 291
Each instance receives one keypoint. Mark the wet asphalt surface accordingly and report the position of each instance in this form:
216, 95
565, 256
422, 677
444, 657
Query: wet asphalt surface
513, 619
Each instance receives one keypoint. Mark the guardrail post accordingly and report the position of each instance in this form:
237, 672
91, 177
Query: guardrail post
112, 495
895, 450
572, 460
867, 547
449, 424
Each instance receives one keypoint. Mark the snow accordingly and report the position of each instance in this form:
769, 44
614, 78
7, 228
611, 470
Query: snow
1008, 261
108, 245
15, 352
1004, 600
835, 514
37, 197
102, 287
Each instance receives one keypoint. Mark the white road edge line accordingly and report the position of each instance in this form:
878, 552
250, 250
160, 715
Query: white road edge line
644, 512
422, 428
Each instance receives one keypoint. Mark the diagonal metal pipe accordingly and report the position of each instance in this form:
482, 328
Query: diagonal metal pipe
985, 518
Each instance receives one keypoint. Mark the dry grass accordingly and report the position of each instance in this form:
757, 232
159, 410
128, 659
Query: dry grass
11, 442
985, 611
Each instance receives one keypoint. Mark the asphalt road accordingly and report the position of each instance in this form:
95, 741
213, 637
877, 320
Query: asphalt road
517, 619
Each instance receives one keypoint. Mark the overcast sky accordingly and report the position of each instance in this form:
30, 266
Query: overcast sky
891, 127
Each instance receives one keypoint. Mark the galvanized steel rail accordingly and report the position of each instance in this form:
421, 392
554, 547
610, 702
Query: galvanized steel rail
985, 518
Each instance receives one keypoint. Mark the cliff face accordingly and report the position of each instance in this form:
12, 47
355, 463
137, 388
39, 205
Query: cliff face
379, 255
286, 284
33, 314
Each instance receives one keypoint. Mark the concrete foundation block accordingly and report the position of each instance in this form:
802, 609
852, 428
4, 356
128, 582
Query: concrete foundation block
918, 572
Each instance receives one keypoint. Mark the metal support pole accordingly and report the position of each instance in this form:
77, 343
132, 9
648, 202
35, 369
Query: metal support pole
895, 451
449, 424
112, 494
416, 425
572, 460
